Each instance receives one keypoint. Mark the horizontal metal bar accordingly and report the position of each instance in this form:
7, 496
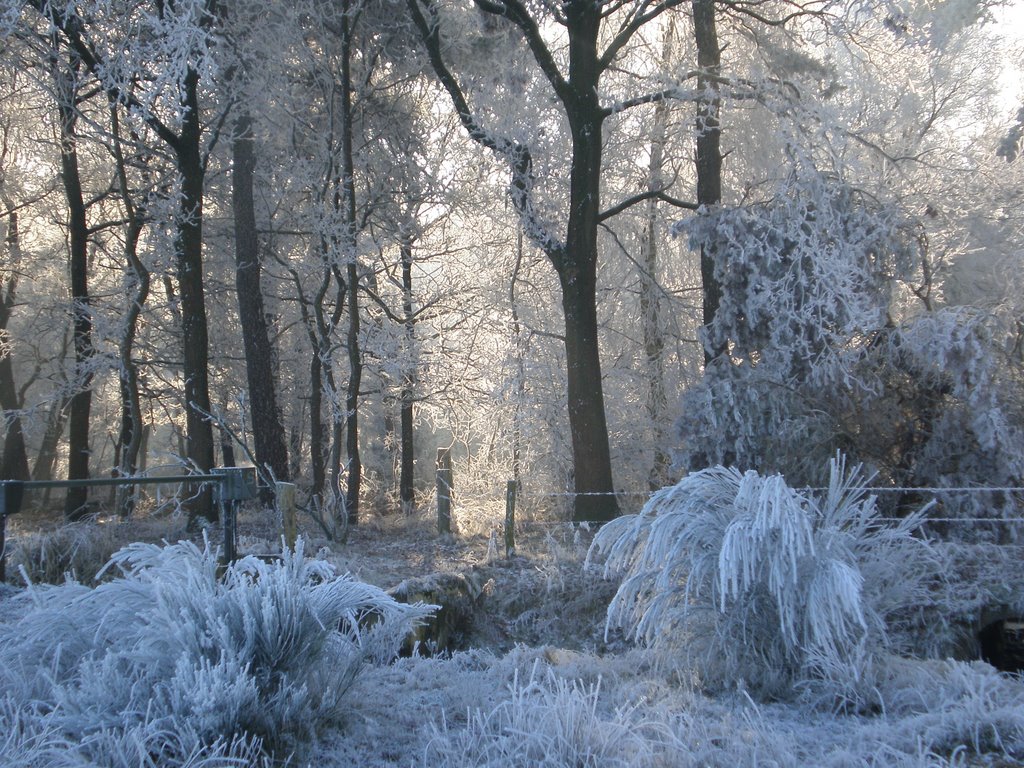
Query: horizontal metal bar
29, 484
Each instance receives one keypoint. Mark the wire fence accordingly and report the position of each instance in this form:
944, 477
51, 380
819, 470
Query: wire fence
1008, 518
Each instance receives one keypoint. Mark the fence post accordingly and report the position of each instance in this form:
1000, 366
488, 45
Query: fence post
11, 492
227, 511
285, 495
235, 484
444, 491
510, 518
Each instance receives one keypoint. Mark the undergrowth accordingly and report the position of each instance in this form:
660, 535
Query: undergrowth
175, 663
765, 586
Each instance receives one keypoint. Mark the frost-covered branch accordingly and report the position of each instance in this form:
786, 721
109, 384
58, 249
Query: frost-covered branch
518, 14
642, 13
517, 155
651, 194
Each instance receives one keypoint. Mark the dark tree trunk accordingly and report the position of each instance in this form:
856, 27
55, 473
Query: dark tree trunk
195, 341
576, 260
268, 431
407, 480
577, 272
708, 155
355, 362
132, 430
76, 504
316, 425
227, 448
15, 459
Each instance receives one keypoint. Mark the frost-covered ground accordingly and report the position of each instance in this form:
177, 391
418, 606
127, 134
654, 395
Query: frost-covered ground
536, 681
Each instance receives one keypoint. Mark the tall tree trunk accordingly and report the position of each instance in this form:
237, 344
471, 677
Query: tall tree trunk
75, 506
355, 361
407, 479
316, 425
577, 273
650, 289
268, 431
15, 458
132, 431
708, 155
576, 260
195, 340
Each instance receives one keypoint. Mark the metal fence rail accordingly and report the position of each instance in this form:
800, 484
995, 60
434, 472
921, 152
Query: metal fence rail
231, 485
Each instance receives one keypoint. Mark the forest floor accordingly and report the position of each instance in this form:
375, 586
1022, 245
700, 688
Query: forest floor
529, 677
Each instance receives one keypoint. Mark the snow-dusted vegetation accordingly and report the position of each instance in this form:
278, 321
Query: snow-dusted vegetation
172, 663
754, 583
737, 281
780, 630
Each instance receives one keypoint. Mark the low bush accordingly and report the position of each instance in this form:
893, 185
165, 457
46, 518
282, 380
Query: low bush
763, 585
184, 663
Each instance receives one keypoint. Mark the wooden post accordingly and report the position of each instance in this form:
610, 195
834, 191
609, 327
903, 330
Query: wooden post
11, 492
285, 495
510, 519
228, 511
444, 491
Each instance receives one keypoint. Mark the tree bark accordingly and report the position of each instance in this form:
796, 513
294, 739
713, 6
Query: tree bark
407, 480
577, 273
575, 261
76, 503
15, 458
195, 338
708, 157
268, 430
355, 362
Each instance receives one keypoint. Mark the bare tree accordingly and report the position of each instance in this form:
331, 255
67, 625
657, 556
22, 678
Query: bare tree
595, 34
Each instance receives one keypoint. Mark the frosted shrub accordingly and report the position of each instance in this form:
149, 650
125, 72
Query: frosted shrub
261, 651
806, 288
761, 584
820, 353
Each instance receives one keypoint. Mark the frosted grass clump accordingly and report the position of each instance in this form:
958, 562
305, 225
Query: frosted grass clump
762, 585
952, 706
172, 652
33, 738
549, 722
